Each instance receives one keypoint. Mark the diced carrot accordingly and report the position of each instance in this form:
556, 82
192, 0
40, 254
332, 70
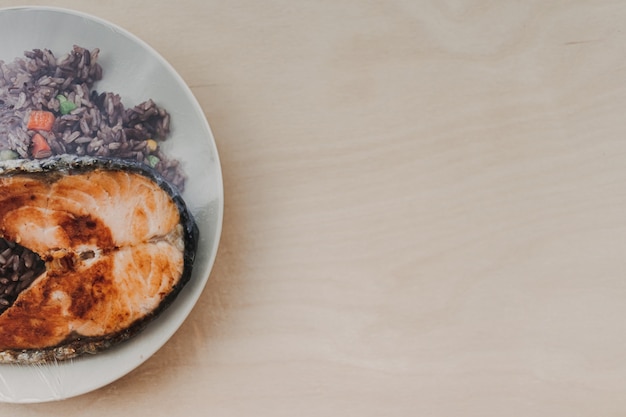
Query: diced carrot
40, 147
40, 120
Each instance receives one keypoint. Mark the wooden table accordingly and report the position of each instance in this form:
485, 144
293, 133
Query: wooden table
425, 210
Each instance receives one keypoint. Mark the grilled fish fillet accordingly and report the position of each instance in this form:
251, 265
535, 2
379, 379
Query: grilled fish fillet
118, 243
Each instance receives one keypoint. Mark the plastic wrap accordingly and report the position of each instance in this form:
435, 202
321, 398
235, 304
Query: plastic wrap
134, 70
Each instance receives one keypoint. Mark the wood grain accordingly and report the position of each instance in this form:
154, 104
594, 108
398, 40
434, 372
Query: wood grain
424, 210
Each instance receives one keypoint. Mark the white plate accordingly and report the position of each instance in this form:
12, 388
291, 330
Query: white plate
136, 72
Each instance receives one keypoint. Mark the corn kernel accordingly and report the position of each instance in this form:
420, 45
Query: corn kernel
152, 145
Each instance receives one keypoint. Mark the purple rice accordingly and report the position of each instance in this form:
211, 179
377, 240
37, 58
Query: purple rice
94, 123
19, 267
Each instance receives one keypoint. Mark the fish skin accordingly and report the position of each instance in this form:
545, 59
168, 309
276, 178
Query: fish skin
71, 286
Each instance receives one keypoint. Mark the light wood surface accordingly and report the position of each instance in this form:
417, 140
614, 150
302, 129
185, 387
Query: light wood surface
425, 210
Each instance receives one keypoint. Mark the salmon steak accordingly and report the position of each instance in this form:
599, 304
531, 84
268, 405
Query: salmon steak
112, 244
